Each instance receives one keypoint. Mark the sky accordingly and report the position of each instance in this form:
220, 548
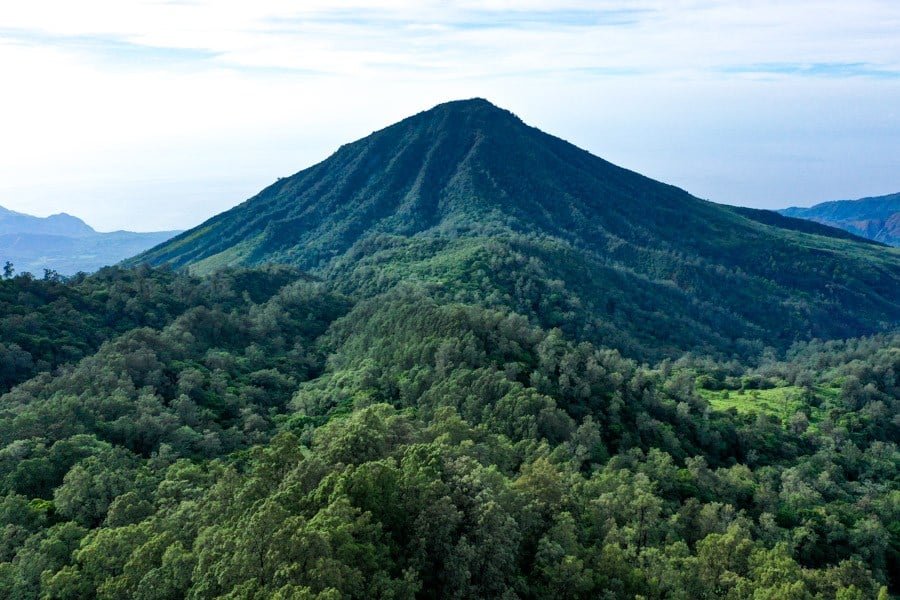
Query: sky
157, 114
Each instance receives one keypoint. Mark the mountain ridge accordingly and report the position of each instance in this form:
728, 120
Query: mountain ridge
66, 244
876, 217
56, 224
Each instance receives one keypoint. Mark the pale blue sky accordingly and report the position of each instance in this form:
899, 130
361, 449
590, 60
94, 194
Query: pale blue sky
157, 114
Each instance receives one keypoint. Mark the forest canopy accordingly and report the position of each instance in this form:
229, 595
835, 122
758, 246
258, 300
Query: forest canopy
260, 434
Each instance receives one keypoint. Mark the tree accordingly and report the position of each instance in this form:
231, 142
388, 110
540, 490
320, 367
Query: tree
90, 486
8, 270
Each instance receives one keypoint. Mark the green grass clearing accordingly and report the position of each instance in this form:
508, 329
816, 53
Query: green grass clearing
782, 402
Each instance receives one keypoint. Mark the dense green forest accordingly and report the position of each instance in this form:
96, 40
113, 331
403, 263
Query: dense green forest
260, 434
49, 322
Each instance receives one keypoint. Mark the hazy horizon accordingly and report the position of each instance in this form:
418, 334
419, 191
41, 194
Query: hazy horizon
157, 115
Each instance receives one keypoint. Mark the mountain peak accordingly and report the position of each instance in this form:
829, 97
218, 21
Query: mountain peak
466, 105
64, 217
471, 111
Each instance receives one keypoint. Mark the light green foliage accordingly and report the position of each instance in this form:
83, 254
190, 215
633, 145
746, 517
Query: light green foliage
782, 402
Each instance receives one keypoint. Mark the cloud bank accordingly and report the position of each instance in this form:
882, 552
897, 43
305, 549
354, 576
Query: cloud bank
115, 103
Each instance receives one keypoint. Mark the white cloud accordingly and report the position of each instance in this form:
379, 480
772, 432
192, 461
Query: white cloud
352, 38
104, 92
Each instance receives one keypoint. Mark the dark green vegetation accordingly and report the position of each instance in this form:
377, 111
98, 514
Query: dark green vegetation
49, 322
467, 197
873, 218
267, 437
66, 244
449, 408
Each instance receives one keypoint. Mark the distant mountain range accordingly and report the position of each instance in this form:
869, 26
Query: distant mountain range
876, 218
66, 244
470, 200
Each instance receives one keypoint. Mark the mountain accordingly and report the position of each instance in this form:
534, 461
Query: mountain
60, 224
470, 200
427, 415
66, 244
875, 218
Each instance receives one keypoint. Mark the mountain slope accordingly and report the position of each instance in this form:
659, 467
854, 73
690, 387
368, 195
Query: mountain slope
66, 244
875, 218
467, 198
